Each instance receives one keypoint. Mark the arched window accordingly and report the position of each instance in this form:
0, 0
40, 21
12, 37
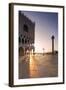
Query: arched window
28, 41
25, 28
25, 41
22, 41
21, 35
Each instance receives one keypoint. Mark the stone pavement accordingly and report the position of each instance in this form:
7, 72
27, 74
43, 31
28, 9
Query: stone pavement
38, 65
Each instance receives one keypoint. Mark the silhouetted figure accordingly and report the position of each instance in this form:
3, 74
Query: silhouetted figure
52, 44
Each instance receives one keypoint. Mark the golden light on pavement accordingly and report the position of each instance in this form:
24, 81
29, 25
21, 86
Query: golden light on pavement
33, 66
30, 58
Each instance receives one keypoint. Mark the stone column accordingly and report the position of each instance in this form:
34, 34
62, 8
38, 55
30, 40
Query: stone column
52, 44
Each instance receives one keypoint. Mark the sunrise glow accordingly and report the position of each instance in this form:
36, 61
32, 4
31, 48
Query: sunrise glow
46, 25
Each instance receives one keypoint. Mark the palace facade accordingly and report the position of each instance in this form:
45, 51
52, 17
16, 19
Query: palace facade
26, 34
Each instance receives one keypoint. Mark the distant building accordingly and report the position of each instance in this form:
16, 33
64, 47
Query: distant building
26, 34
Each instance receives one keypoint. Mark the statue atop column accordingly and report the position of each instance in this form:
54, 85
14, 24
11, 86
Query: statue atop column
52, 44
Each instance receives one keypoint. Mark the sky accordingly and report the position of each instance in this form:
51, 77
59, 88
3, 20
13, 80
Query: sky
46, 25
